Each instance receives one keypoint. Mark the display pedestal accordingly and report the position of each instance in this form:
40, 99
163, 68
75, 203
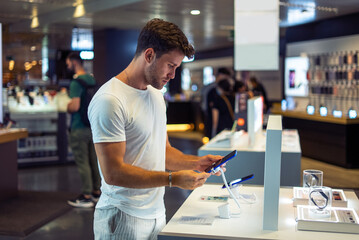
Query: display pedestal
341, 220
250, 160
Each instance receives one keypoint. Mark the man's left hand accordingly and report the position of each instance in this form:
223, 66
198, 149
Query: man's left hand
204, 162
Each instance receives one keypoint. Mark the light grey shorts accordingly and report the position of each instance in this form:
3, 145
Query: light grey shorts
112, 223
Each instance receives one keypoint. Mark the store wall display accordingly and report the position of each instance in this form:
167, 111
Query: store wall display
332, 76
295, 76
334, 81
41, 145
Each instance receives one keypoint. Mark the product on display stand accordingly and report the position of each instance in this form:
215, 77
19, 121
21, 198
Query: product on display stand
341, 220
301, 195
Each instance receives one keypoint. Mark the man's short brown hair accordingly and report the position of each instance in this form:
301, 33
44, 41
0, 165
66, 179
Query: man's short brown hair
163, 37
74, 56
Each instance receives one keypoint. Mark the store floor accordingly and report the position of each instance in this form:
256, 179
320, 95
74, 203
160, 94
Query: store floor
77, 223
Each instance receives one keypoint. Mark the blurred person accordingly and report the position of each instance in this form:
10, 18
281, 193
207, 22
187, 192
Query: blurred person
209, 97
240, 88
80, 136
128, 122
257, 89
223, 106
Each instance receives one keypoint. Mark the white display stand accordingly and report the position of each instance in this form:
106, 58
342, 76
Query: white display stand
343, 220
251, 159
247, 225
272, 173
255, 119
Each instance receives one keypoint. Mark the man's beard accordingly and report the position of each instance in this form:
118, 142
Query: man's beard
152, 78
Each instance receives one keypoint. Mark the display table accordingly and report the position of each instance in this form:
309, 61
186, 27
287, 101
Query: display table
246, 225
329, 139
8, 161
250, 160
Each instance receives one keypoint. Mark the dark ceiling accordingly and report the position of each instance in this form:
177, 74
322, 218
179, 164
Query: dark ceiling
27, 22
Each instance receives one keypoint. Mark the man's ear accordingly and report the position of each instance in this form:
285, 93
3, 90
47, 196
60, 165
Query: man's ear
149, 55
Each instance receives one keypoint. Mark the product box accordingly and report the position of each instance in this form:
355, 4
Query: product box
340, 220
300, 197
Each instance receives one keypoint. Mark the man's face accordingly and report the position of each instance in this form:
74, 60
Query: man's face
70, 65
162, 69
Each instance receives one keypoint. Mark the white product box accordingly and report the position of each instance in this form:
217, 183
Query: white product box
341, 220
300, 197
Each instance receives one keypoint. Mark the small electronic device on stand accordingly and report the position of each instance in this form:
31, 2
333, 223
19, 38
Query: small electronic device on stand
224, 209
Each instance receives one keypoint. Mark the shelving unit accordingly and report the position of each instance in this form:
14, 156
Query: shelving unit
47, 141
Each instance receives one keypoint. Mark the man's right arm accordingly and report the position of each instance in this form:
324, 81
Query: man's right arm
116, 172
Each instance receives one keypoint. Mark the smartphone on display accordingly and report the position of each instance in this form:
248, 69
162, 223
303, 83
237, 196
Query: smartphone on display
238, 181
216, 165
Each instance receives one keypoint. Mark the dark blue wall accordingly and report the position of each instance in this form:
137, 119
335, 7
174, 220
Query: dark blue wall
114, 50
333, 27
215, 53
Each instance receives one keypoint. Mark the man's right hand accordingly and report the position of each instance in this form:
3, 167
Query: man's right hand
188, 179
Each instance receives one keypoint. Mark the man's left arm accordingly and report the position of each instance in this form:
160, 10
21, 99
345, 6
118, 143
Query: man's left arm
75, 95
177, 160
74, 105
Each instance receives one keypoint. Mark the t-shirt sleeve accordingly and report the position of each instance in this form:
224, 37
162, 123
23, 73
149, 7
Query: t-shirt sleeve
217, 102
75, 89
107, 118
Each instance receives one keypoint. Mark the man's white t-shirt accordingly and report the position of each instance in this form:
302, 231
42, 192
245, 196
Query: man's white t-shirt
119, 113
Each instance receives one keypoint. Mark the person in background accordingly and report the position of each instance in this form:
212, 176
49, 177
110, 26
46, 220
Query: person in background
258, 90
223, 105
128, 123
241, 88
80, 136
213, 93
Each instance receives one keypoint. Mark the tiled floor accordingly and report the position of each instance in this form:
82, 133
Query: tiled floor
77, 223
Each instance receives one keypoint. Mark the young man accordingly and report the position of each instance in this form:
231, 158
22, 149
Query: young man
80, 136
128, 122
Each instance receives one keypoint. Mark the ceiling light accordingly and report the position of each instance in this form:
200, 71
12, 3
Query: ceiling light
87, 55
32, 48
11, 65
79, 11
34, 22
28, 66
195, 12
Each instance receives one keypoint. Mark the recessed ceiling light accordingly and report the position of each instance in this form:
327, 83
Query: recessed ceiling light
195, 12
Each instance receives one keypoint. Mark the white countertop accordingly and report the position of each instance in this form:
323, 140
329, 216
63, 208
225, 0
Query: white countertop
247, 225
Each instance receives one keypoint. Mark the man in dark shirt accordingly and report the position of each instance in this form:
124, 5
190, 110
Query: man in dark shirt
211, 96
223, 105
